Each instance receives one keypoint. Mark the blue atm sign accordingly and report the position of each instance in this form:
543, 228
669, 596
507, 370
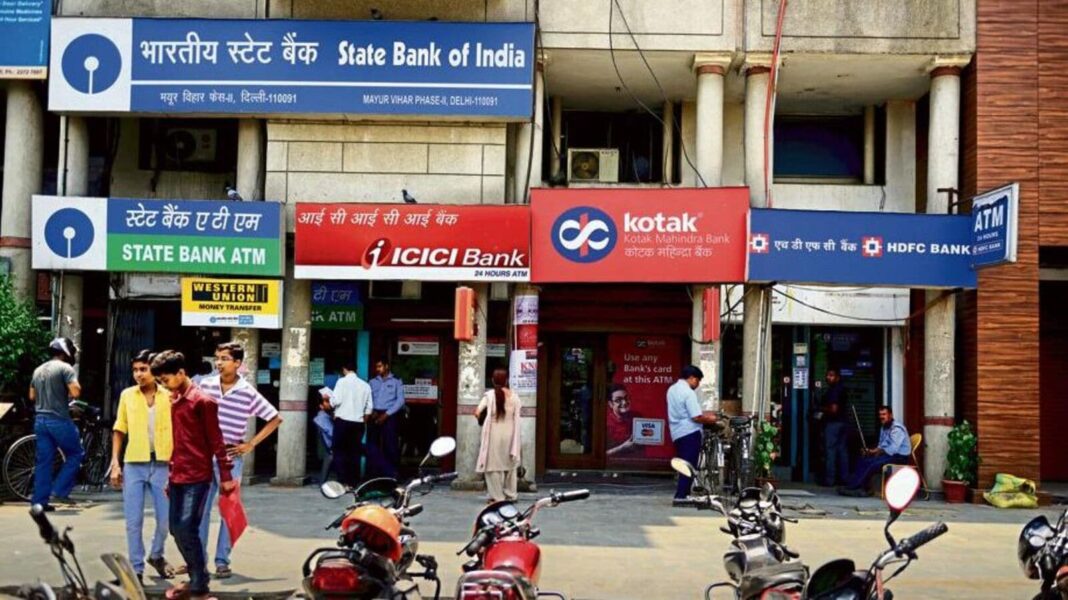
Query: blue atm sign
994, 226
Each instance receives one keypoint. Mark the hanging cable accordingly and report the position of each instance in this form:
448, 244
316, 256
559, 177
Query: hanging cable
533, 109
769, 101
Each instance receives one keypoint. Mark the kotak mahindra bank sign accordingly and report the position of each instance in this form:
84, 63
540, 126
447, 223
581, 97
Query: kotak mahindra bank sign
619, 235
412, 242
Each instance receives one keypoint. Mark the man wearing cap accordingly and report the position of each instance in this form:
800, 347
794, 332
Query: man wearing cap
53, 386
685, 420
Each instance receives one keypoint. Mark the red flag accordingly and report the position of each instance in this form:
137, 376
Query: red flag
233, 514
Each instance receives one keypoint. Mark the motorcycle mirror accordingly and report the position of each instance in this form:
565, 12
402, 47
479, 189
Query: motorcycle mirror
767, 491
682, 467
900, 490
332, 490
443, 446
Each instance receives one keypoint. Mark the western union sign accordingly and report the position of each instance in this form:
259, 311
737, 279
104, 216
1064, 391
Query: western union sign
255, 303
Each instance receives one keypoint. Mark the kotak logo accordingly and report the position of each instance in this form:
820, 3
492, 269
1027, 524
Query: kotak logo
584, 234
382, 253
684, 223
871, 247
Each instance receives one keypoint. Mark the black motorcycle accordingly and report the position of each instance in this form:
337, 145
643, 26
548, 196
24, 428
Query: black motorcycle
758, 562
1043, 554
840, 579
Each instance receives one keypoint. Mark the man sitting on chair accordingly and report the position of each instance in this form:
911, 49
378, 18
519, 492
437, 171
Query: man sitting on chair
894, 448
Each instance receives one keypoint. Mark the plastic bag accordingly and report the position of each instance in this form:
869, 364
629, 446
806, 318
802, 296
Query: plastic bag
1010, 491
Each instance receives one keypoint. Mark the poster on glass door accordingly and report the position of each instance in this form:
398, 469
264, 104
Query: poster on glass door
636, 404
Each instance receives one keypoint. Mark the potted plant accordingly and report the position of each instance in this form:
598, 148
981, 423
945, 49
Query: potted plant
962, 462
765, 450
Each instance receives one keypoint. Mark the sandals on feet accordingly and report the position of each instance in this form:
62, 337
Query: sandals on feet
178, 592
223, 572
162, 567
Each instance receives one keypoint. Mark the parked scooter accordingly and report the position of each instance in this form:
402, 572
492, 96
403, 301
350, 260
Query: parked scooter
758, 561
839, 579
1043, 554
376, 546
126, 586
507, 564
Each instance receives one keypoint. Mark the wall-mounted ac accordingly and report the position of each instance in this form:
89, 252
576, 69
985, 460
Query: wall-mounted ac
594, 165
188, 147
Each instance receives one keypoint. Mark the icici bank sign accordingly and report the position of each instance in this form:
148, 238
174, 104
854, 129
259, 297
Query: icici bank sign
412, 242
620, 235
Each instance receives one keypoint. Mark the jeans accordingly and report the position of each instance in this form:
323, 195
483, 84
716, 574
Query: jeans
348, 450
55, 432
688, 448
835, 452
223, 546
187, 510
383, 447
137, 479
870, 465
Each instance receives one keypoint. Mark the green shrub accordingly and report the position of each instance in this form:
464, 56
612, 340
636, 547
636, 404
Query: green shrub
23, 340
766, 448
962, 458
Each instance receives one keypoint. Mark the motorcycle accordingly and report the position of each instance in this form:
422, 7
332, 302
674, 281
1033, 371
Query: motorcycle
758, 562
1043, 554
376, 546
507, 564
839, 579
126, 586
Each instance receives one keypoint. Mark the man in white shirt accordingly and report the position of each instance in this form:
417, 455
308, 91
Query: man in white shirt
686, 420
352, 404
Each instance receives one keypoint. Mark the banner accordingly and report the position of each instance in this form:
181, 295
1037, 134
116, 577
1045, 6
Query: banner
994, 226
645, 367
162, 236
639, 235
860, 248
24, 38
412, 242
336, 305
279, 66
255, 303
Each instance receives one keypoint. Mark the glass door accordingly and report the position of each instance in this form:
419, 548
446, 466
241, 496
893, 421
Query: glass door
576, 403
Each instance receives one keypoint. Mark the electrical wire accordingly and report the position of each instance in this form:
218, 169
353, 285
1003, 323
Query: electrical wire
769, 101
905, 321
533, 108
612, 5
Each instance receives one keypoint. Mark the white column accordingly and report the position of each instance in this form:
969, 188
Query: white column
869, 145
557, 159
528, 421
667, 169
23, 168
528, 170
710, 69
72, 180
293, 392
943, 155
756, 339
704, 354
472, 384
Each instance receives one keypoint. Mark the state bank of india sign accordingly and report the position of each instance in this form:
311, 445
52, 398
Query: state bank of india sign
163, 236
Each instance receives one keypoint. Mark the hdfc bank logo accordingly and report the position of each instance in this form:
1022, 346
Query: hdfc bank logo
758, 243
871, 247
584, 234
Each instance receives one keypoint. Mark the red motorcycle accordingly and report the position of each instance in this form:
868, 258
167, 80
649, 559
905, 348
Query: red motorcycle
507, 564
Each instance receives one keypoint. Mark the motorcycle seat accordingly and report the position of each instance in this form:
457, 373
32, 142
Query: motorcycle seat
740, 421
782, 574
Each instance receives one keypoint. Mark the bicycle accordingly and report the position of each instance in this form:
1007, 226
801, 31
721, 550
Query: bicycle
20, 460
726, 448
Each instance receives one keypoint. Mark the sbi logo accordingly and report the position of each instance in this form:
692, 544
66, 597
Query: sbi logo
91, 63
584, 234
69, 233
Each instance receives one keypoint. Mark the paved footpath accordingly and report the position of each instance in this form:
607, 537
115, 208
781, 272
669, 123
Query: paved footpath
622, 543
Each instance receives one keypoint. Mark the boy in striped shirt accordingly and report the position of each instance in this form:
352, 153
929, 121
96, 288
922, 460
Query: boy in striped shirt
238, 401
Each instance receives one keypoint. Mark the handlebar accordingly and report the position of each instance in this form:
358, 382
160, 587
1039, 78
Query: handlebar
477, 543
412, 511
909, 545
558, 497
44, 526
442, 478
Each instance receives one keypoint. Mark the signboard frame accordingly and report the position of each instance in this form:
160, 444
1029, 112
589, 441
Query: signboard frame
984, 210
253, 303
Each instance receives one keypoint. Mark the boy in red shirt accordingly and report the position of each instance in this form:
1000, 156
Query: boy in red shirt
197, 437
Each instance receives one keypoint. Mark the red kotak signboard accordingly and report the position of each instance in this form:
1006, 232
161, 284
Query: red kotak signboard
405, 242
688, 235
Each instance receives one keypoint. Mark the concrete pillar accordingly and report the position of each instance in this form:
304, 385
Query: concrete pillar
869, 145
472, 382
293, 393
705, 355
528, 421
710, 69
557, 158
528, 170
756, 341
23, 167
667, 168
72, 180
943, 156
251, 147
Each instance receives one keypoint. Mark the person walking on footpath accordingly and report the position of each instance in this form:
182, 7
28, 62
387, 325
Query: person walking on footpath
387, 393
197, 438
352, 406
498, 455
685, 420
143, 424
238, 401
53, 386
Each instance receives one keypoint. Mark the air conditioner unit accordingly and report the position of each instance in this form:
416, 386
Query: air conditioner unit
186, 147
595, 165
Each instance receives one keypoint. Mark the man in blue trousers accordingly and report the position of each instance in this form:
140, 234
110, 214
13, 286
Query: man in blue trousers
685, 420
894, 448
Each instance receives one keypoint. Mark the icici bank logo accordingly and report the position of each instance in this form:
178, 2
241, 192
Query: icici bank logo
584, 234
375, 253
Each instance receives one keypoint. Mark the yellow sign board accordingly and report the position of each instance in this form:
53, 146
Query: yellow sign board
211, 302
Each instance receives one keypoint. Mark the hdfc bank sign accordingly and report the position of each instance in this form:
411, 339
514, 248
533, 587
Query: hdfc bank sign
621, 235
405, 242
